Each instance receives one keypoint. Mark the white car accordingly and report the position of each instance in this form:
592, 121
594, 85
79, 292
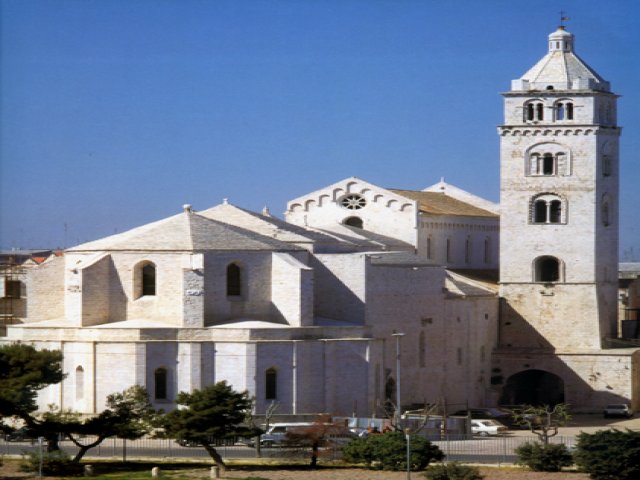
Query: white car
487, 427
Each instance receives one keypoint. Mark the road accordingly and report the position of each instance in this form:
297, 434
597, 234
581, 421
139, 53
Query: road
481, 450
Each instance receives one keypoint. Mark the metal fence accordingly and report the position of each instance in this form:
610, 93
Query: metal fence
491, 450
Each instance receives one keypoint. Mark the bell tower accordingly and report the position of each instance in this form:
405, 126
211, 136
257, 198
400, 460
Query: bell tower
559, 206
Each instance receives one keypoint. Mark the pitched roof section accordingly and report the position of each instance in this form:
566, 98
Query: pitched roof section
187, 231
561, 69
263, 224
436, 203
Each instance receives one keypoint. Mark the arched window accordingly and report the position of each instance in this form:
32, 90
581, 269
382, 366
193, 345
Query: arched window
144, 279
555, 211
530, 114
547, 269
548, 159
271, 384
234, 280
160, 380
540, 211
564, 111
79, 382
149, 279
533, 111
569, 111
560, 111
354, 222
548, 208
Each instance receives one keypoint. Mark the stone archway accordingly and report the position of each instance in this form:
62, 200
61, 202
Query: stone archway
533, 387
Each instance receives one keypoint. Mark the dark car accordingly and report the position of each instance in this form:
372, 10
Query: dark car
20, 435
503, 416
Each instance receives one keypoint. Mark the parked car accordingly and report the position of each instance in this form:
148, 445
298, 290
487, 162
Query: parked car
505, 417
617, 410
20, 435
486, 427
275, 435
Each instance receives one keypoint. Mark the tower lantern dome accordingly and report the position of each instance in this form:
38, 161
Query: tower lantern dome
561, 40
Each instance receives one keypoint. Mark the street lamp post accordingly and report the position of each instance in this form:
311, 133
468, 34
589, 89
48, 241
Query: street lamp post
398, 412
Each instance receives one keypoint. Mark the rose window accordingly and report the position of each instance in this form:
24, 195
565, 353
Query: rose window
353, 202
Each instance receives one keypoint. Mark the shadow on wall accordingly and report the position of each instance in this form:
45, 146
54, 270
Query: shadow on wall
334, 299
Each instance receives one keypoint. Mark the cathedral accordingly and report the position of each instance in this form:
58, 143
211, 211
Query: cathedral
471, 303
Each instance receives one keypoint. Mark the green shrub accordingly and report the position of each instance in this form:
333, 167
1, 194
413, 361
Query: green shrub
609, 454
389, 452
544, 458
53, 463
453, 471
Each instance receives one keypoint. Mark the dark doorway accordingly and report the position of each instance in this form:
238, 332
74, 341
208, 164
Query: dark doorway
533, 387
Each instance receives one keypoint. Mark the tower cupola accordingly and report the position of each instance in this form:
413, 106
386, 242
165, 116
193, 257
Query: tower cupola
560, 69
561, 41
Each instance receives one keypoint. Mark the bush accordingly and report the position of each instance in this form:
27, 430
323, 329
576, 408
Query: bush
544, 458
609, 454
453, 471
389, 452
53, 463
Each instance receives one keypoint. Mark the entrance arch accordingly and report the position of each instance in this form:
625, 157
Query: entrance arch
533, 387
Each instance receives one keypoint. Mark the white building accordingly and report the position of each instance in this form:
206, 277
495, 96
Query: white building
302, 311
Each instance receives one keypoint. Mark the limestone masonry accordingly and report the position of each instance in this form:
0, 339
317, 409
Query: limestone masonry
301, 311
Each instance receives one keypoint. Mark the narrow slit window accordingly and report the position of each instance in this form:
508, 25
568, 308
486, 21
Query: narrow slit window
555, 211
234, 280
160, 383
540, 211
271, 384
569, 111
149, 279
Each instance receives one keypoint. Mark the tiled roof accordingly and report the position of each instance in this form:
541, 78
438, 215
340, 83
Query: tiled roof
437, 203
187, 231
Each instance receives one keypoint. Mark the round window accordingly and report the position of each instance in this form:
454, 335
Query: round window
353, 202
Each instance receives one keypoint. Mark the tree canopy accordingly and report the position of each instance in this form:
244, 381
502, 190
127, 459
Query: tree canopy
23, 372
214, 412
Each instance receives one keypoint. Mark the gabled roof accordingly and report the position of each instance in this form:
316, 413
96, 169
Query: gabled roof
187, 231
436, 203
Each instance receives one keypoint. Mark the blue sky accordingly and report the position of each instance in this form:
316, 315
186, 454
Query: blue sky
115, 113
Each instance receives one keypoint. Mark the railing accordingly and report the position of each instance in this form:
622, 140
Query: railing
499, 449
